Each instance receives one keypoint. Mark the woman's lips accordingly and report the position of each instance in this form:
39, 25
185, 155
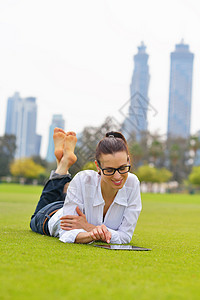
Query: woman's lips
117, 182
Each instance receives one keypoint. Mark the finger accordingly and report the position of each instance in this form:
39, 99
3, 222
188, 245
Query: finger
68, 217
95, 232
66, 223
92, 235
108, 237
66, 227
101, 234
104, 229
79, 212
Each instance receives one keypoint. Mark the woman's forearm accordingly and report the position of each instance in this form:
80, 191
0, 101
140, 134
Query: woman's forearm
89, 227
83, 238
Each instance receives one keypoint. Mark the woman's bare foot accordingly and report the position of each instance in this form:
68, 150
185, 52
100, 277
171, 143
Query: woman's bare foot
68, 158
69, 146
70, 141
58, 138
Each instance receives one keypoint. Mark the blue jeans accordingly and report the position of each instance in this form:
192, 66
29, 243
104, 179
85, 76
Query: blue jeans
52, 199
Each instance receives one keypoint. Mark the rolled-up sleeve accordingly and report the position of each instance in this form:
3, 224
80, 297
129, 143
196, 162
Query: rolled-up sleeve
70, 235
72, 200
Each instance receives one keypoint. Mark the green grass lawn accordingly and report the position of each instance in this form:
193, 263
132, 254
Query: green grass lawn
33, 266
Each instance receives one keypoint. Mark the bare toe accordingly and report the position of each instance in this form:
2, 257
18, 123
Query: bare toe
56, 130
71, 133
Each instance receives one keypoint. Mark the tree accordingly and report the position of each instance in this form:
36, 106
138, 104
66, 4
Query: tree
151, 174
178, 153
90, 166
26, 168
194, 143
7, 152
136, 153
156, 151
163, 175
194, 176
146, 173
40, 161
174, 154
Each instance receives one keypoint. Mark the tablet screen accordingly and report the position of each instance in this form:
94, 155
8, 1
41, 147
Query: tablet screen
122, 247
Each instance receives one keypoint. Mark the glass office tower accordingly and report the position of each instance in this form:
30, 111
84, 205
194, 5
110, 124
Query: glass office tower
180, 92
136, 120
21, 121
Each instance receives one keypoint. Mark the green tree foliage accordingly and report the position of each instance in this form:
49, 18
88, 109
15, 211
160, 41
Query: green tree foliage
90, 166
174, 154
150, 149
136, 154
40, 161
7, 152
178, 155
146, 173
26, 168
151, 174
194, 176
156, 150
163, 175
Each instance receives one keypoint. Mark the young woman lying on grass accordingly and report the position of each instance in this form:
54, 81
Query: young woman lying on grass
103, 205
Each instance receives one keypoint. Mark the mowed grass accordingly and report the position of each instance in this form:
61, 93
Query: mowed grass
33, 266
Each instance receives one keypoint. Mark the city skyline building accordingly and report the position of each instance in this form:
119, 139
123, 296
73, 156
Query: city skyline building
180, 92
57, 121
136, 120
21, 118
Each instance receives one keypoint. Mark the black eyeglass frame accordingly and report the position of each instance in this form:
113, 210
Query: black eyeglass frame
114, 169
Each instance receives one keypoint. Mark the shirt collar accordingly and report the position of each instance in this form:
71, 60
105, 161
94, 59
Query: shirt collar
120, 198
93, 192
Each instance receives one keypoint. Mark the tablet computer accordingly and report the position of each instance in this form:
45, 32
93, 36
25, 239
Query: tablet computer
122, 247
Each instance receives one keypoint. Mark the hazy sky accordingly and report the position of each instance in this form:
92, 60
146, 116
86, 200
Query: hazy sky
76, 57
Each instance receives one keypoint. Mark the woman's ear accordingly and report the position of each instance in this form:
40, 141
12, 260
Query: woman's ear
128, 159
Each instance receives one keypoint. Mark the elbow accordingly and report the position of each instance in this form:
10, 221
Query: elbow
125, 238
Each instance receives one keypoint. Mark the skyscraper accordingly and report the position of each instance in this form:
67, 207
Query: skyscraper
57, 121
21, 121
136, 120
180, 92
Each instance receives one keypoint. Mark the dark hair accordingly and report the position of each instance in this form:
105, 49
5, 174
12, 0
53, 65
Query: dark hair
113, 142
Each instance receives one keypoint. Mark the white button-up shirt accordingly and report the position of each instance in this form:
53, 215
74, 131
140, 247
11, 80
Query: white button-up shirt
84, 191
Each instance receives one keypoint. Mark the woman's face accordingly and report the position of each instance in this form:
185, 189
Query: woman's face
116, 160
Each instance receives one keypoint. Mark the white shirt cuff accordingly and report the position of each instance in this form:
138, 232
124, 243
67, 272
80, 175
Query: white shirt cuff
70, 235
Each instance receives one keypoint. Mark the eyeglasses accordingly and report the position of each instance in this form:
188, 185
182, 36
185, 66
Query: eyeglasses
111, 171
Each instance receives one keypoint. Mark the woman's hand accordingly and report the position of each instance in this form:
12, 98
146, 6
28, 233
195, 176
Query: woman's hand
101, 233
70, 222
